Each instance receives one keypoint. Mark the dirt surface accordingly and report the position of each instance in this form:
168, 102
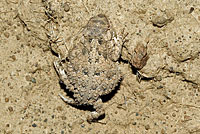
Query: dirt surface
168, 103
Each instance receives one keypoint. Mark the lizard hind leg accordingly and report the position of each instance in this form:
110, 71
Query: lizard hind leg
98, 113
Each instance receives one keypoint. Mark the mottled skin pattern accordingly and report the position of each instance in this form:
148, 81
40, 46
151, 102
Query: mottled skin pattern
91, 69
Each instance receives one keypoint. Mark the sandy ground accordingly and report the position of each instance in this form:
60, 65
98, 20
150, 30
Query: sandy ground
169, 104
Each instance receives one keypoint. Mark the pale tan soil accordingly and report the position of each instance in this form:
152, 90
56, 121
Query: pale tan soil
29, 88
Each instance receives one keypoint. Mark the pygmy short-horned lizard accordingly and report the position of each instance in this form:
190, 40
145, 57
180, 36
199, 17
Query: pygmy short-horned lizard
91, 69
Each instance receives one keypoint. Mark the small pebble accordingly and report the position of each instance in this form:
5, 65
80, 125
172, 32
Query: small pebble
17, 37
163, 131
63, 118
191, 9
28, 78
158, 78
171, 69
45, 120
82, 125
173, 115
147, 127
160, 87
59, 108
134, 123
66, 7
10, 109
34, 125
161, 21
62, 132
13, 57
6, 99
33, 80
6, 34
53, 116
